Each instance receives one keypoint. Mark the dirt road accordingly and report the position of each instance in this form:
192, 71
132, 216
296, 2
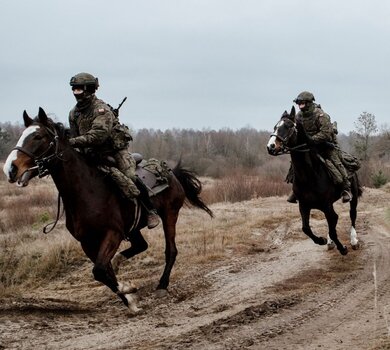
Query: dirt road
286, 294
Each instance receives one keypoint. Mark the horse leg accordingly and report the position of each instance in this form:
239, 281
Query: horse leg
138, 245
101, 255
169, 225
305, 215
332, 218
353, 214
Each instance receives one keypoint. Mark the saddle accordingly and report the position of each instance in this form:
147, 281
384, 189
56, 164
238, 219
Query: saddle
153, 173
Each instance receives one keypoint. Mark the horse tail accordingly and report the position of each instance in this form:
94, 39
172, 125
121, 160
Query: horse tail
192, 187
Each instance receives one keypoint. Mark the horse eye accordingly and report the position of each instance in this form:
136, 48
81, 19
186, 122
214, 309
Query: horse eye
38, 137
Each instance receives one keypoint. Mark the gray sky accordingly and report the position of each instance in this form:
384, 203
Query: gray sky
198, 63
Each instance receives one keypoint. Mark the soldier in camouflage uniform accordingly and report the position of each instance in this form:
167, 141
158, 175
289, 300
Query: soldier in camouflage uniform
94, 128
320, 131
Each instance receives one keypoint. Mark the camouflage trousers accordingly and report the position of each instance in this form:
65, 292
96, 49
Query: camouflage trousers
336, 168
124, 173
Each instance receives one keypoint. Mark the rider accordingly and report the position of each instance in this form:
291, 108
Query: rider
94, 127
320, 131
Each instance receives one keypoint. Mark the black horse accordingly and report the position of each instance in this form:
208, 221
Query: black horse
312, 185
96, 214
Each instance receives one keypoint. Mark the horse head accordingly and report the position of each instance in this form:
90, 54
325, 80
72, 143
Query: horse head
36, 144
284, 135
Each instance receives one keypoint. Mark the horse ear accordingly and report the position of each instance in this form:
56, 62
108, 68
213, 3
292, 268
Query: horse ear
42, 116
285, 114
292, 113
27, 120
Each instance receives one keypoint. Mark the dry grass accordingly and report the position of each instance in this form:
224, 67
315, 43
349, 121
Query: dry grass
28, 258
237, 188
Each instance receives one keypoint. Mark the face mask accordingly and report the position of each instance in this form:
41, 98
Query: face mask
79, 94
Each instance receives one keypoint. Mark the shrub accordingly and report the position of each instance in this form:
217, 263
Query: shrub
379, 179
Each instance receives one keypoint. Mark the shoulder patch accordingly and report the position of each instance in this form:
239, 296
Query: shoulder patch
101, 110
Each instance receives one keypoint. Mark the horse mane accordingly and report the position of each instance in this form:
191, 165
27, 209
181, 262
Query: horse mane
58, 127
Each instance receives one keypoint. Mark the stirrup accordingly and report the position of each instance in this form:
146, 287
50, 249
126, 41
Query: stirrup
346, 196
153, 220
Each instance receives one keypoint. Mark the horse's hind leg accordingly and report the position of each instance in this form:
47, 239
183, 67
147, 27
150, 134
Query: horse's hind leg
138, 245
332, 218
169, 224
305, 215
353, 215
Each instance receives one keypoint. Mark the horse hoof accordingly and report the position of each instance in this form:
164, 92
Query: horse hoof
134, 310
344, 250
161, 293
132, 304
331, 246
322, 241
355, 246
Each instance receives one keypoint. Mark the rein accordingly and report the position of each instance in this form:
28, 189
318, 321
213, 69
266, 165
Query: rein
287, 150
43, 164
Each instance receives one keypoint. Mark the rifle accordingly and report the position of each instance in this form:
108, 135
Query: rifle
116, 110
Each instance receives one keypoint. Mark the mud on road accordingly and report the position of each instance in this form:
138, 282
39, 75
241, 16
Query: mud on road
288, 294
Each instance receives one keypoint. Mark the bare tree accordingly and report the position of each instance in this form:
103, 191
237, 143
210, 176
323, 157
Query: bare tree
365, 128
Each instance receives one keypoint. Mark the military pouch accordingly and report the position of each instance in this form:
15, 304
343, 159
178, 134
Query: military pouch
121, 136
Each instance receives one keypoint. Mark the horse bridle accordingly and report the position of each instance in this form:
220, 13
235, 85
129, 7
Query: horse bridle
42, 161
285, 149
42, 165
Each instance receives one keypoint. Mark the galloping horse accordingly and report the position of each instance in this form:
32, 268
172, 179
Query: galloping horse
96, 213
312, 185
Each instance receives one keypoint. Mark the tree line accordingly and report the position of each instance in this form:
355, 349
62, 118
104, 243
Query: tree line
216, 153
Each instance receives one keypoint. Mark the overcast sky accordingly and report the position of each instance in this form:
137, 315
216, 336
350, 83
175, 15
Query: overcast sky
200, 64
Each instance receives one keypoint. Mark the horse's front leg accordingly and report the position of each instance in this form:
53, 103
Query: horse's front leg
101, 254
332, 218
305, 215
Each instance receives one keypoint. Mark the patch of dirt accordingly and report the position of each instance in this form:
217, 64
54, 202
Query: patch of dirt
284, 293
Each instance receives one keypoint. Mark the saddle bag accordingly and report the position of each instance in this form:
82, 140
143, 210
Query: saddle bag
350, 162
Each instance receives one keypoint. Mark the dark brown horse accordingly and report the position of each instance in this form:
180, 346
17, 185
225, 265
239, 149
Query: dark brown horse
96, 214
312, 184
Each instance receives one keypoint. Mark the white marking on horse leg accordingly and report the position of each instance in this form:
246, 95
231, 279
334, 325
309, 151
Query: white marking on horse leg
13, 155
353, 236
125, 288
330, 243
132, 299
117, 260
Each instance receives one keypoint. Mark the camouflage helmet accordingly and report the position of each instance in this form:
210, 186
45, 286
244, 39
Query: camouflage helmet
305, 96
88, 81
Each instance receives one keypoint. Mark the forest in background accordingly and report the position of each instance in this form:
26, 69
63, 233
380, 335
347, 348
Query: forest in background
226, 152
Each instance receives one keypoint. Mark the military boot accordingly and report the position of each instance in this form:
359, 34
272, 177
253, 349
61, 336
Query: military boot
346, 195
153, 218
291, 198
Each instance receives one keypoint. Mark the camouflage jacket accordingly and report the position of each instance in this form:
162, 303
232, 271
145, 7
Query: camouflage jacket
317, 124
96, 126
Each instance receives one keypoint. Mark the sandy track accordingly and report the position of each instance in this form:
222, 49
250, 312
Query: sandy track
290, 295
